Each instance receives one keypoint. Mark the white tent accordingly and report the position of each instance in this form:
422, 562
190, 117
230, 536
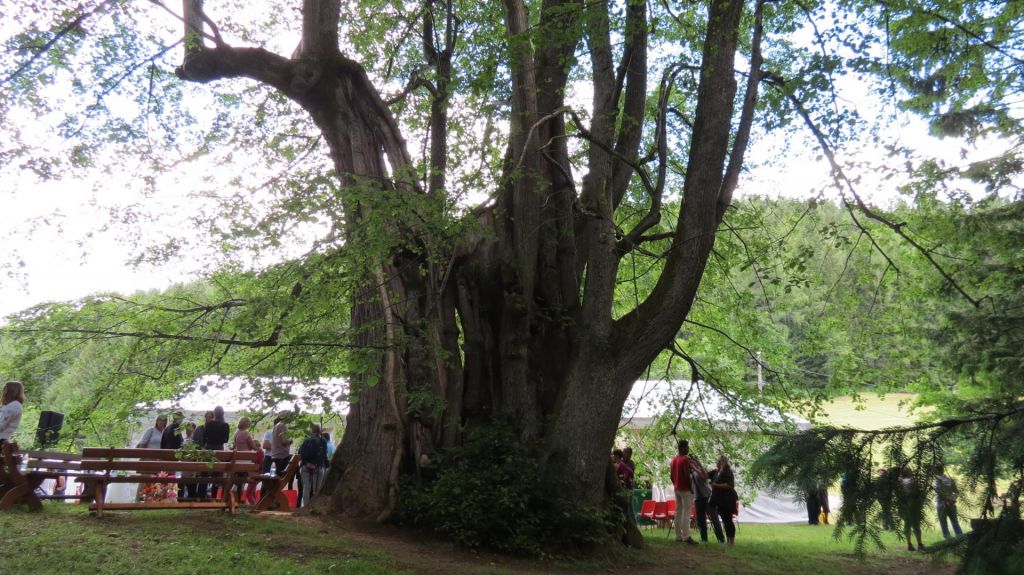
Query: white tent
702, 402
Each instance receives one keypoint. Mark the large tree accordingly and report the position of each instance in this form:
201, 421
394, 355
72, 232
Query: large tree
460, 316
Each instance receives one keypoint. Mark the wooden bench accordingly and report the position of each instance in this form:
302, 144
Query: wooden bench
272, 488
17, 486
147, 466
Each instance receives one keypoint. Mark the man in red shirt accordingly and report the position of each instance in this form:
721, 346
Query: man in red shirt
680, 473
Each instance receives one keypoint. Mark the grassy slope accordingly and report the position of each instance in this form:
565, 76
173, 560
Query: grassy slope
65, 540
871, 411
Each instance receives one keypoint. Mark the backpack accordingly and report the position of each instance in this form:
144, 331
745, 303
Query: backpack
701, 487
313, 451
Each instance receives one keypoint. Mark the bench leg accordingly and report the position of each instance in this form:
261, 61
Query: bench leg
270, 494
11, 496
282, 501
263, 504
88, 488
227, 493
23, 493
100, 495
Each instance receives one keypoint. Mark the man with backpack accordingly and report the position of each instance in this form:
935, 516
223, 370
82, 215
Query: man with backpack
313, 453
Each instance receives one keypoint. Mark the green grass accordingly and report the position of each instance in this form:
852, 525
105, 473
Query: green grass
65, 539
787, 548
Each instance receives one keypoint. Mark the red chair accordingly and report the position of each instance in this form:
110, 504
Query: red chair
660, 515
647, 509
671, 512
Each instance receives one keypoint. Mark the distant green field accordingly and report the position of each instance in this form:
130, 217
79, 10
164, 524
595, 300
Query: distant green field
872, 412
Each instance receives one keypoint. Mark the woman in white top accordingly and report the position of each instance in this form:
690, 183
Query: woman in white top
151, 439
11, 401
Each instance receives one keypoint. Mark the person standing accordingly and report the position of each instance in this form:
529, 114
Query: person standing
813, 505
217, 431
280, 446
680, 474
910, 505
170, 438
199, 433
627, 458
702, 501
244, 441
12, 400
313, 452
330, 447
200, 490
945, 502
886, 484
625, 475
724, 498
215, 437
624, 471
153, 437
268, 459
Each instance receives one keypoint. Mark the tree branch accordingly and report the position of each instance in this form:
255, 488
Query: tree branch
159, 335
739, 147
632, 71
843, 182
653, 216
63, 31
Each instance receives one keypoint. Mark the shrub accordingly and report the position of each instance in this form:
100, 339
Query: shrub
491, 494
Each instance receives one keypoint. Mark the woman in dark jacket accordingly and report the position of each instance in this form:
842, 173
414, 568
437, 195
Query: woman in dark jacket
723, 496
216, 433
702, 500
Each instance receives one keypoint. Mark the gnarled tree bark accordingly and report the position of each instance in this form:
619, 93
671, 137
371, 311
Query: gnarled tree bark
533, 300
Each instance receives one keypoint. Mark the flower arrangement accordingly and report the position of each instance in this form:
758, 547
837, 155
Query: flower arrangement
153, 492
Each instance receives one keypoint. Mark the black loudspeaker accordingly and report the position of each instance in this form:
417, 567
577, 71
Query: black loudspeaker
48, 431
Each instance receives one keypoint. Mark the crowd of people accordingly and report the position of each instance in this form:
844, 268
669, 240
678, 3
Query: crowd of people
213, 434
713, 493
910, 502
273, 454
709, 496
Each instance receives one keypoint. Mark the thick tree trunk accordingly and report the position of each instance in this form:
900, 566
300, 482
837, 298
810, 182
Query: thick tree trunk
532, 293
